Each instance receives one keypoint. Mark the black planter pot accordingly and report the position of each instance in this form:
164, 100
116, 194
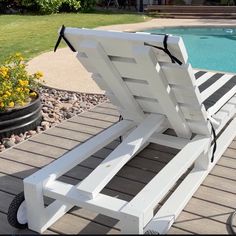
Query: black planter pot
19, 120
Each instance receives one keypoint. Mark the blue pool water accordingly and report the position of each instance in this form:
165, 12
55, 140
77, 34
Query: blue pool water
208, 48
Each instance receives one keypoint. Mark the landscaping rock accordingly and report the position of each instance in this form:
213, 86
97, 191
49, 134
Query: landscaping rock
9, 143
57, 105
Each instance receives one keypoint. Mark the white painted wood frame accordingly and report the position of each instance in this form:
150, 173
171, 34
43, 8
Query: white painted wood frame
168, 213
130, 146
152, 94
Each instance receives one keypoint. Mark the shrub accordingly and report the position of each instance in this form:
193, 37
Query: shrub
30, 5
41, 6
17, 87
87, 5
70, 5
53, 6
6, 5
48, 6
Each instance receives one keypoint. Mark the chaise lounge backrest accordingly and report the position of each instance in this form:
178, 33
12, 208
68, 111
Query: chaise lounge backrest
141, 79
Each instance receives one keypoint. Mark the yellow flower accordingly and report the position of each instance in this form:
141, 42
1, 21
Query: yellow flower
8, 93
17, 85
11, 104
19, 55
38, 74
33, 94
23, 82
4, 71
27, 90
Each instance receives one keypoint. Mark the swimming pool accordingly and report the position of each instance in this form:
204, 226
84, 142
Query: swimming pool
208, 48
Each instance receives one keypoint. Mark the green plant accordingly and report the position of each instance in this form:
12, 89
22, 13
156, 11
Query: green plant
17, 87
70, 5
30, 5
48, 6
41, 6
53, 6
74, 4
87, 5
9, 4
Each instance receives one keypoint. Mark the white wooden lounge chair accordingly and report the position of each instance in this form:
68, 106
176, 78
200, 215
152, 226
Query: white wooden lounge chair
154, 92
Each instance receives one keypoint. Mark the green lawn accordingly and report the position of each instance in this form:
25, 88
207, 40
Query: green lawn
34, 34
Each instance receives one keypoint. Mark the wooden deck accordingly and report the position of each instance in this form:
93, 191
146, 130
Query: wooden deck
207, 212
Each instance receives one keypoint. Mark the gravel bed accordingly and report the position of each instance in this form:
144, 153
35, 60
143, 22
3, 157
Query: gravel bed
57, 106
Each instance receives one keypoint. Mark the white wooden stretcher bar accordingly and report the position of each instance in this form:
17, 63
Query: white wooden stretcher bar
152, 95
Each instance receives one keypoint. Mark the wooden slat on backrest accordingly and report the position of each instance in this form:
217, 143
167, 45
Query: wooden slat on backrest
105, 69
146, 75
118, 44
184, 85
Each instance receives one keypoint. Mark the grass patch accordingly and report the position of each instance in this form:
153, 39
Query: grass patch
33, 34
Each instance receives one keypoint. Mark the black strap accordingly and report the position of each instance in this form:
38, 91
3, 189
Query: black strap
166, 50
214, 141
62, 36
120, 118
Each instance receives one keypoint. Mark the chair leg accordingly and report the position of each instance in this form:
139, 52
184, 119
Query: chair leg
131, 224
40, 217
35, 206
203, 162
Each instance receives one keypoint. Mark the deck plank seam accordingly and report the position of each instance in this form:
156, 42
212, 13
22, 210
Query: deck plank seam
98, 222
111, 122
223, 177
77, 131
107, 148
215, 203
229, 157
135, 167
109, 108
22, 163
80, 123
85, 166
51, 145
229, 167
73, 178
123, 177
209, 217
98, 157
11, 175
82, 141
32, 152
168, 151
230, 147
102, 159
99, 113
185, 230
111, 114
4, 191
215, 188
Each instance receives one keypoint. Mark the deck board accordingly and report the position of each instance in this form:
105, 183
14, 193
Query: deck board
207, 212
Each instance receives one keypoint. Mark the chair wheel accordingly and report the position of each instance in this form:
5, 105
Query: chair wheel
17, 213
